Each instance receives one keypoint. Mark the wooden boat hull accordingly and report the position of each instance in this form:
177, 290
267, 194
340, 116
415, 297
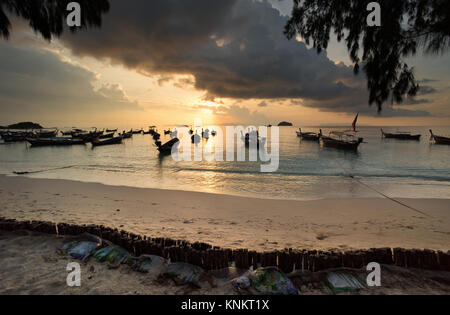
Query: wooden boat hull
13, 138
108, 135
440, 139
54, 142
115, 140
400, 136
309, 136
341, 144
166, 147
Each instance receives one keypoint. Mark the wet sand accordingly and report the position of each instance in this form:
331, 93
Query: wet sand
230, 221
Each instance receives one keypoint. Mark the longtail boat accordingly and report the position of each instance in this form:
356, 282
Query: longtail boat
400, 135
166, 147
115, 140
56, 141
439, 139
107, 135
309, 136
343, 141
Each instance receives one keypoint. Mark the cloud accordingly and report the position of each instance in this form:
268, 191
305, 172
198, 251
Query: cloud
232, 48
37, 81
240, 115
263, 104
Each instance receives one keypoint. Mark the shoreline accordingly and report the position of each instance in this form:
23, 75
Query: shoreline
377, 195
231, 221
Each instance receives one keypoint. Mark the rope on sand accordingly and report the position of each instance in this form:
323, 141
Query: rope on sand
45, 170
382, 194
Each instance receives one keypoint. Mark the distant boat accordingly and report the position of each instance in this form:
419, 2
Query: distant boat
16, 136
46, 134
115, 140
107, 135
196, 138
167, 132
309, 136
111, 130
205, 134
439, 139
400, 135
343, 141
151, 131
57, 141
250, 138
156, 135
127, 135
135, 132
87, 136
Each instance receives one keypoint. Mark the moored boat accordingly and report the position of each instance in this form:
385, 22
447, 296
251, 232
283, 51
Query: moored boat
126, 135
252, 139
439, 139
115, 140
196, 138
46, 134
399, 135
166, 147
56, 141
107, 135
343, 141
309, 136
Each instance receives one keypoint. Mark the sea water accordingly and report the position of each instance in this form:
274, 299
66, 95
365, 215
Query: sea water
307, 171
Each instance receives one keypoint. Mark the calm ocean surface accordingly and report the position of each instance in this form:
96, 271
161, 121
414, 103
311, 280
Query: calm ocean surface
306, 170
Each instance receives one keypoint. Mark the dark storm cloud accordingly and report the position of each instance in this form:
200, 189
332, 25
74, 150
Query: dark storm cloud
233, 48
38, 81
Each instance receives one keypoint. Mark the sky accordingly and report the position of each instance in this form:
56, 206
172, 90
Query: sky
224, 61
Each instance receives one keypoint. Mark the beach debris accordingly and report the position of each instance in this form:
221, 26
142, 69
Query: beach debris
339, 281
265, 281
78, 249
182, 273
150, 264
113, 254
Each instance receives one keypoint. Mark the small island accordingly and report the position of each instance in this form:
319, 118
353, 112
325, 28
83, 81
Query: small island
23, 125
284, 123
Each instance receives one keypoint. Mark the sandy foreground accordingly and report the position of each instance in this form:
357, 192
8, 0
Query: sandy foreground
230, 221
30, 265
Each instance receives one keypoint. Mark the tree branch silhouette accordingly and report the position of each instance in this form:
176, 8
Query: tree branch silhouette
48, 17
406, 26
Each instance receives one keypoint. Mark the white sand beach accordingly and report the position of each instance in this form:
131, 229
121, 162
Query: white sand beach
230, 221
